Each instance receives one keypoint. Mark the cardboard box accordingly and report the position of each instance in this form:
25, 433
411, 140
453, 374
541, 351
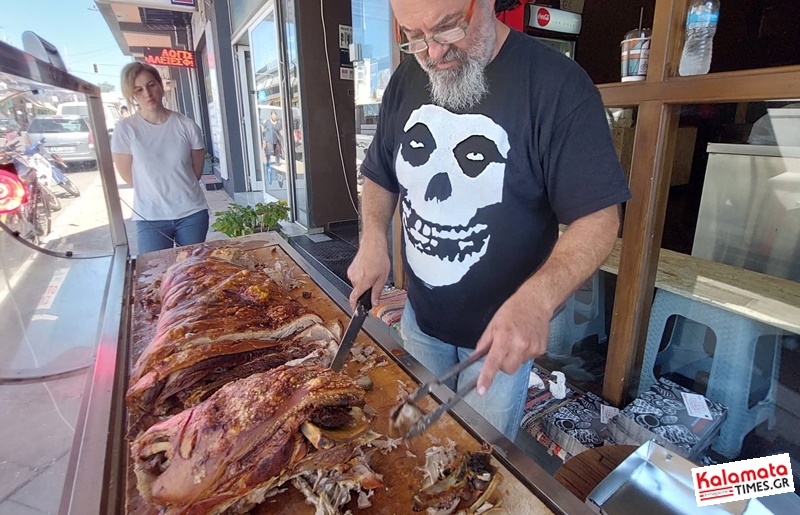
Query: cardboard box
661, 414
577, 426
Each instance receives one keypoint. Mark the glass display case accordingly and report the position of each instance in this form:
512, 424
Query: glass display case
63, 261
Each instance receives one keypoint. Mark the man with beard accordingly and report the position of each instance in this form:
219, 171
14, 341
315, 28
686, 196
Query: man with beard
489, 139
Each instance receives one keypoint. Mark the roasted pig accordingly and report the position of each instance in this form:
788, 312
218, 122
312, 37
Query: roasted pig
207, 300
220, 321
208, 367
233, 450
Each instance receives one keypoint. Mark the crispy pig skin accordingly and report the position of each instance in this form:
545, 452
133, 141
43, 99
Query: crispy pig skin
244, 437
208, 367
207, 300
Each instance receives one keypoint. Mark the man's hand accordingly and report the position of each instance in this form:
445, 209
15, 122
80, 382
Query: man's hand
369, 269
517, 333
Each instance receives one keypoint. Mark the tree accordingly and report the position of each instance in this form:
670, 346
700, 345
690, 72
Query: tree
106, 87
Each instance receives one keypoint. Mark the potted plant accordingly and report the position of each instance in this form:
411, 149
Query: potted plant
240, 220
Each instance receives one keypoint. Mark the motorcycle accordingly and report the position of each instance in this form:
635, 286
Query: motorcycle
32, 218
55, 165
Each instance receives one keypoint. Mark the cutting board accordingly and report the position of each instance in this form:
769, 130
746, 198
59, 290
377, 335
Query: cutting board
399, 467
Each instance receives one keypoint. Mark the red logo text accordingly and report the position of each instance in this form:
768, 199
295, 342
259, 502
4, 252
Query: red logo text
543, 16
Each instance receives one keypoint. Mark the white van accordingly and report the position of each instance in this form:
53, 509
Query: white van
81, 109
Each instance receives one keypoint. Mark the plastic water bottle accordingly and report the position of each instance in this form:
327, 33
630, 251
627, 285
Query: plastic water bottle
701, 25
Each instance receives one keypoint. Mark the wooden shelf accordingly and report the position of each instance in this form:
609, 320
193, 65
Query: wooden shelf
740, 86
771, 300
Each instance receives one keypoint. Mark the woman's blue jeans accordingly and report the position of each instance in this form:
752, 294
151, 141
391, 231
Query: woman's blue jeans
152, 235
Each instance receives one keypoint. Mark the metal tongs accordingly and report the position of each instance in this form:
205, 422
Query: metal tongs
409, 408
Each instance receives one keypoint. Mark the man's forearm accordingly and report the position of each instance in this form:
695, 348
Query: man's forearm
377, 208
579, 252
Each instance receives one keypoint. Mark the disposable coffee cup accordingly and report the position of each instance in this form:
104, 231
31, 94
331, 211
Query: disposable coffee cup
635, 55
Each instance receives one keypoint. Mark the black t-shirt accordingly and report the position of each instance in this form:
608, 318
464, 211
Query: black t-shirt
482, 193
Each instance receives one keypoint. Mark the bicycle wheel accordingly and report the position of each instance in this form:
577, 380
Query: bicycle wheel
53, 202
40, 214
71, 188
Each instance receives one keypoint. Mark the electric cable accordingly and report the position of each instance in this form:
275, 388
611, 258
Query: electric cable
333, 103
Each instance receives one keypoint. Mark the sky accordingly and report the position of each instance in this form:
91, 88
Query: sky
74, 26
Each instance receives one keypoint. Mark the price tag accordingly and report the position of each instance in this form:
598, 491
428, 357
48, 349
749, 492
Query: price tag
696, 405
607, 413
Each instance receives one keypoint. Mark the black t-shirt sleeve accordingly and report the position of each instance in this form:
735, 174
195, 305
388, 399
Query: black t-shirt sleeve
581, 167
377, 165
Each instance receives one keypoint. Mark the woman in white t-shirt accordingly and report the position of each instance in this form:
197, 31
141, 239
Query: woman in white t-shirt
161, 154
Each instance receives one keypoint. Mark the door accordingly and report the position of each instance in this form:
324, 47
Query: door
294, 113
269, 124
372, 32
251, 138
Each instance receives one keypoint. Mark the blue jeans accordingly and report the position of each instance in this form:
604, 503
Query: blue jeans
504, 403
155, 235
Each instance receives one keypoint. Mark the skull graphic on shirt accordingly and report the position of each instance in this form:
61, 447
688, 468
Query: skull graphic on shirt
450, 167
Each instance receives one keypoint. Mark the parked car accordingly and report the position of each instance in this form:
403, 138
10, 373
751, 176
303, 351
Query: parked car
67, 136
81, 108
8, 125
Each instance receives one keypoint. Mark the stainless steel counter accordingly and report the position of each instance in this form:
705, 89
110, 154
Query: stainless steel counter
97, 472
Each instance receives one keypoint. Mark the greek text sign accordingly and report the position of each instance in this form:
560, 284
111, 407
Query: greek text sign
169, 57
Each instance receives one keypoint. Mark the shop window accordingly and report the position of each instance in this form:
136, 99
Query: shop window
242, 11
622, 124
755, 34
578, 342
724, 319
734, 193
604, 25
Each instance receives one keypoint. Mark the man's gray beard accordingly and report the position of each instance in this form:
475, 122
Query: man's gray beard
462, 87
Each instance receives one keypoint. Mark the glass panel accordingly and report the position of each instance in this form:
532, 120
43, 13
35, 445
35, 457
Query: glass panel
50, 307
578, 340
726, 312
295, 131
372, 30
269, 112
756, 34
734, 194
604, 25
242, 10
561, 46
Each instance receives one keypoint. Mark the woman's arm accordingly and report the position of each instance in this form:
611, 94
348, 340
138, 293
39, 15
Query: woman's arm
198, 161
124, 165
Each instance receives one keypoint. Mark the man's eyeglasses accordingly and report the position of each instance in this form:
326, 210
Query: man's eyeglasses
447, 37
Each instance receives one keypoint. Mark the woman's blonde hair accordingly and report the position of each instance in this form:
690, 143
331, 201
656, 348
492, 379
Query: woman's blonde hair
129, 74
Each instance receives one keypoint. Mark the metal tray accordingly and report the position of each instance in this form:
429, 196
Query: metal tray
656, 481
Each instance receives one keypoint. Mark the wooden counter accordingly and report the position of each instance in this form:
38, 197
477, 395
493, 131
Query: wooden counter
588, 469
398, 467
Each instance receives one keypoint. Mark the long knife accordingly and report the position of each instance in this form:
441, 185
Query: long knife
363, 306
